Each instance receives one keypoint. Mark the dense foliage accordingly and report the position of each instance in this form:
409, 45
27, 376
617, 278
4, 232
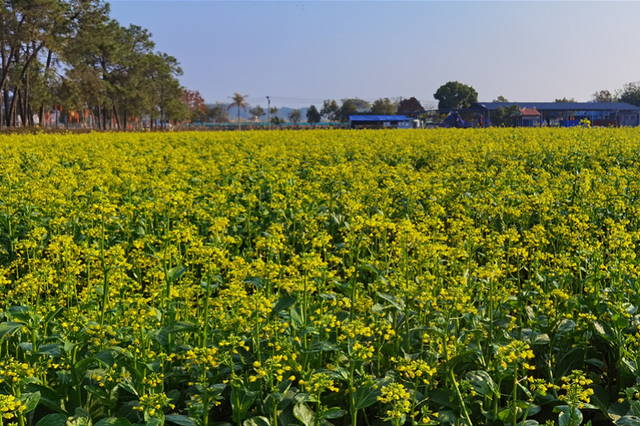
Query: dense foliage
72, 58
481, 277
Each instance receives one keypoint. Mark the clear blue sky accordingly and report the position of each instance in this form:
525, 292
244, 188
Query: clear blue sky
301, 52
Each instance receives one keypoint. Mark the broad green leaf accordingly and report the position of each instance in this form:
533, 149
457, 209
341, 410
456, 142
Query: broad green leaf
569, 416
366, 396
48, 397
332, 413
283, 303
55, 419
9, 328
180, 420
241, 401
52, 350
321, 346
257, 282
304, 414
20, 312
254, 421
175, 273
628, 421
393, 300
113, 421
30, 401
566, 325
482, 383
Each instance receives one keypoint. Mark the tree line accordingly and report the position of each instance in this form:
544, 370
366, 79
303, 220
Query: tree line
67, 60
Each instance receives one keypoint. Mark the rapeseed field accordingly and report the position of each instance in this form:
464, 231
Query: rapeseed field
318, 278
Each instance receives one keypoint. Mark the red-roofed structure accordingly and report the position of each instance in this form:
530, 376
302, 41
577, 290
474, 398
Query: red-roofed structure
527, 117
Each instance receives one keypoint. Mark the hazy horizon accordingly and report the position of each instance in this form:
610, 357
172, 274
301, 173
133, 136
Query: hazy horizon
302, 52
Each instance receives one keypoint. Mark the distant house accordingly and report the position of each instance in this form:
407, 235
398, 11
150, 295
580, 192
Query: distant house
527, 117
379, 122
570, 113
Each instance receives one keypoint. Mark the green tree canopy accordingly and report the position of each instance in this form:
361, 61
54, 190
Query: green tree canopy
631, 93
239, 100
455, 95
384, 106
331, 110
410, 105
70, 54
256, 112
313, 115
348, 108
295, 115
358, 103
502, 117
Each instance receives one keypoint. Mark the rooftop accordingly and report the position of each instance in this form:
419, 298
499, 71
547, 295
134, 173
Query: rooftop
558, 106
376, 118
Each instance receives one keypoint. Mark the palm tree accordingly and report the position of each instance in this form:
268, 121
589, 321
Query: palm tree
240, 102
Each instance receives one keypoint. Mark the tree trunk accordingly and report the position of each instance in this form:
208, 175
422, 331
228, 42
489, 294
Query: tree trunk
46, 68
117, 117
6, 105
12, 109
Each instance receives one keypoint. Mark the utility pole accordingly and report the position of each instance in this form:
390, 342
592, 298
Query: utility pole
269, 112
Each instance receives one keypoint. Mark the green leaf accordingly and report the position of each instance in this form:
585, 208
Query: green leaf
321, 346
113, 421
257, 282
541, 339
78, 421
393, 300
55, 419
618, 409
155, 421
332, 413
180, 327
83, 365
305, 397
241, 401
9, 328
625, 421
620, 322
482, 383
48, 397
366, 397
506, 414
30, 401
107, 358
569, 416
53, 350
461, 357
255, 421
283, 303
304, 414
175, 273
20, 312
566, 325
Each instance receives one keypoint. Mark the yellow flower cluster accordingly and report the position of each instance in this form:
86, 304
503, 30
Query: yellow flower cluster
398, 397
274, 368
318, 383
9, 405
415, 369
152, 404
257, 258
516, 353
576, 392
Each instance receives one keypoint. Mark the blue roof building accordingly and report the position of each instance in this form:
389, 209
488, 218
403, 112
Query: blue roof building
570, 113
379, 121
